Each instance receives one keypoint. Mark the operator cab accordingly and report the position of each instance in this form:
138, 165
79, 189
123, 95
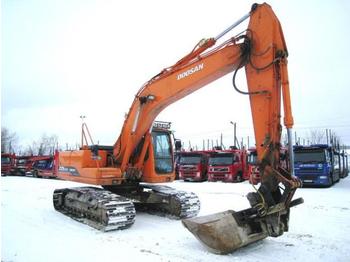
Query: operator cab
162, 148
159, 160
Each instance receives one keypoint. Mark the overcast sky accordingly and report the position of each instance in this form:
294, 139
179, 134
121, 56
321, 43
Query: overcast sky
66, 58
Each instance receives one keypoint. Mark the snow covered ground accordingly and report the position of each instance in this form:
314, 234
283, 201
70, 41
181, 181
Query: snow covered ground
32, 231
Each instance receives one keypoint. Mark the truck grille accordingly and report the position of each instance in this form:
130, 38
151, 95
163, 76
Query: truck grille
307, 177
219, 177
188, 168
309, 172
219, 169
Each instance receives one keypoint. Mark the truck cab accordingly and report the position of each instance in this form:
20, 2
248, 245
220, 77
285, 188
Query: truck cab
7, 164
337, 165
227, 166
344, 169
193, 166
45, 166
316, 164
346, 165
341, 163
23, 165
253, 169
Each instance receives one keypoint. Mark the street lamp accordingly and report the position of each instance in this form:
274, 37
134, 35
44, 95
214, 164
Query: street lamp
83, 136
82, 117
235, 127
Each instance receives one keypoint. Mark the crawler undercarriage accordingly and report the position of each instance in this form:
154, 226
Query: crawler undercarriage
114, 207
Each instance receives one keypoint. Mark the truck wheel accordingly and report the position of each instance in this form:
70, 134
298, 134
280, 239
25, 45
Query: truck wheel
36, 174
205, 177
239, 177
331, 182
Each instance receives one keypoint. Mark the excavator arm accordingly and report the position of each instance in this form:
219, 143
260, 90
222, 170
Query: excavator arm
265, 60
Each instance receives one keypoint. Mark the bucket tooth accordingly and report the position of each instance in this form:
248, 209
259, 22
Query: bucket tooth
222, 233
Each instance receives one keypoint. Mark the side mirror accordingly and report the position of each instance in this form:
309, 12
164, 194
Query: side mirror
178, 145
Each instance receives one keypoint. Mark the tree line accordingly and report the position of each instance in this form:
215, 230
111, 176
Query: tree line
45, 145
312, 136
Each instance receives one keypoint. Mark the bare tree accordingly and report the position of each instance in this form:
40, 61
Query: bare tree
335, 140
46, 145
316, 136
30, 151
8, 140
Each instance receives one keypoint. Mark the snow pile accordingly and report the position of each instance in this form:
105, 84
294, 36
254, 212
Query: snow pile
32, 231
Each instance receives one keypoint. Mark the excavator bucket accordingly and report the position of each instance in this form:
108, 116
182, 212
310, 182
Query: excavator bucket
223, 232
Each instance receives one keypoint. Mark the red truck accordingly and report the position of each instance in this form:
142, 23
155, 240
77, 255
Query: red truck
193, 166
253, 169
8, 162
23, 165
45, 166
228, 166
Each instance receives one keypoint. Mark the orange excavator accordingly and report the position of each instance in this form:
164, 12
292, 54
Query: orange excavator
143, 153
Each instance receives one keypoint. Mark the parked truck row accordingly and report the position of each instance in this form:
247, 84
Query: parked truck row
37, 166
213, 165
315, 165
318, 165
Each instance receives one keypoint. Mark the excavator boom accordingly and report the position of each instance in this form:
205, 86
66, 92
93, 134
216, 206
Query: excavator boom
171, 85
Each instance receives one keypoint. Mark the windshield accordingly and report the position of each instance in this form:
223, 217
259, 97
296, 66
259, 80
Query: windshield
221, 159
5, 160
309, 156
42, 164
190, 160
162, 152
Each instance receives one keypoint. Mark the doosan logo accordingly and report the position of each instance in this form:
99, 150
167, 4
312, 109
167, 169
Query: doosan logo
190, 71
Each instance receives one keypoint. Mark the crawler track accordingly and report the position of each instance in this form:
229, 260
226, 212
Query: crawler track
96, 207
174, 203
